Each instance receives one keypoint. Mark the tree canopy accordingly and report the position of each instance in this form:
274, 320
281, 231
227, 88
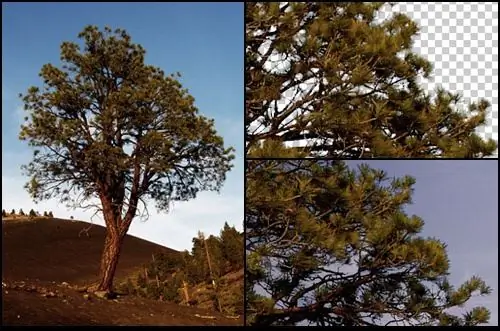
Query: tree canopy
330, 245
107, 126
330, 79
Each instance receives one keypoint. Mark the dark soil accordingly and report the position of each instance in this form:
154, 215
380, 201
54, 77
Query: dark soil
45, 263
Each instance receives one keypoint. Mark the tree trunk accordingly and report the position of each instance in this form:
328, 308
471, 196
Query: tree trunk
109, 260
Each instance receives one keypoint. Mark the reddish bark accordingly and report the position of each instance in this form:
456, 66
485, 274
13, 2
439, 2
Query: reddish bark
109, 260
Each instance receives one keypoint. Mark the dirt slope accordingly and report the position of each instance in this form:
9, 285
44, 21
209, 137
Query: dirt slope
52, 250
40, 257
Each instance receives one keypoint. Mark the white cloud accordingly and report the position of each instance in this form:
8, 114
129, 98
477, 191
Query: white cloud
206, 213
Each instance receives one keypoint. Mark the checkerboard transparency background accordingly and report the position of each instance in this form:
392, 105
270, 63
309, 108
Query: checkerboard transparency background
461, 40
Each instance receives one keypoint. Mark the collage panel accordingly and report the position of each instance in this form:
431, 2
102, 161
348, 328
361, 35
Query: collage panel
353, 80
334, 237
371, 242
123, 180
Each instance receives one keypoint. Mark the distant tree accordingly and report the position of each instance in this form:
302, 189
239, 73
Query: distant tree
45, 214
71, 217
333, 246
13, 212
348, 86
50, 214
32, 213
232, 246
107, 126
4, 214
214, 246
21, 212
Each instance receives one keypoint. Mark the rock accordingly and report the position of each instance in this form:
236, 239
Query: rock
6, 292
101, 294
64, 284
86, 297
50, 294
30, 289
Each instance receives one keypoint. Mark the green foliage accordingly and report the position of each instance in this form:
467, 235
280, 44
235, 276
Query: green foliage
141, 280
232, 243
153, 291
127, 288
333, 246
100, 102
167, 271
367, 101
233, 299
171, 288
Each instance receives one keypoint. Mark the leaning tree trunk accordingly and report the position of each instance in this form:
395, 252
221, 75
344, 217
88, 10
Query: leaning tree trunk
109, 260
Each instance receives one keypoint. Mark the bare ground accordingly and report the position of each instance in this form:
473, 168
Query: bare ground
45, 261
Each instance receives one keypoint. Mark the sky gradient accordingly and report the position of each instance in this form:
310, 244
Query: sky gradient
204, 42
458, 200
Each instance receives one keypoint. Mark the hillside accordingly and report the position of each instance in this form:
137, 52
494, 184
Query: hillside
45, 260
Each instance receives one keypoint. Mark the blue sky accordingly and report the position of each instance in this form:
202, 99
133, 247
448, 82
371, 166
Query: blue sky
202, 41
458, 200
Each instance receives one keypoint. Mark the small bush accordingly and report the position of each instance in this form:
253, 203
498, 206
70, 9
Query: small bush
32, 213
45, 214
141, 280
13, 212
21, 212
153, 291
171, 288
51, 215
127, 288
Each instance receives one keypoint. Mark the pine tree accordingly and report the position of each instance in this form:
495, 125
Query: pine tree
50, 214
350, 84
13, 212
4, 214
103, 98
21, 212
32, 213
232, 246
45, 214
333, 246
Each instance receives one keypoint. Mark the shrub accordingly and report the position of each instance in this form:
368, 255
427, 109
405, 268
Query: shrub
171, 288
21, 212
141, 280
153, 291
127, 288
4, 214
51, 215
32, 213
45, 214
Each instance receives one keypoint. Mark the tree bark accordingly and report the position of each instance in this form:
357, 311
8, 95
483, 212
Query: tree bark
109, 260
